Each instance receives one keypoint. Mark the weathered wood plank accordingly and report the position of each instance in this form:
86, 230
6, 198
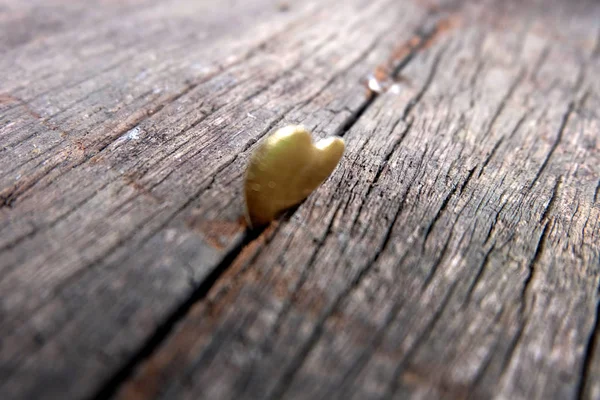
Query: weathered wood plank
120, 174
25, 22
455, 253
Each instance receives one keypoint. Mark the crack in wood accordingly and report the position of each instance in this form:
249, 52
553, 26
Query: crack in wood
492, 152
512, 347
123, 241
366, 354
438, 214
557, 140
494, 223
394, 385
539, 63
531, 270
284, 383
505, 99
478, 274
36, 230
552, 199
415, 100
263, 348
112, 385
467, 180
523, 309
381, 168
590, 350
443, 254
10, 195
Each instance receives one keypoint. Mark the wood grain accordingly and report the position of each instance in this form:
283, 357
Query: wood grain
454, 253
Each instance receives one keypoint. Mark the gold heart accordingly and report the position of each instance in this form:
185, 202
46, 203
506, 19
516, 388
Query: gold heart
285, 168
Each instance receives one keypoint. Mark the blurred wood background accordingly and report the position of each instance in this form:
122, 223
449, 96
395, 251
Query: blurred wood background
454, 253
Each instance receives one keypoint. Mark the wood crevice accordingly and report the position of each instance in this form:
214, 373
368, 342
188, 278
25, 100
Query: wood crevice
559, 135
590, 350
113, 384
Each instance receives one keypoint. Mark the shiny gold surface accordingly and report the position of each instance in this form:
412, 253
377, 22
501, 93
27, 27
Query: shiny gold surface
285, 168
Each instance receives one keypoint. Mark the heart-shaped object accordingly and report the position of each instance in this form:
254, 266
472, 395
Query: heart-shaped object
285, 168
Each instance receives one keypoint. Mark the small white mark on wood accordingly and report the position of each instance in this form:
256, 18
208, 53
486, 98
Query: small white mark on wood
132, 134
374, 84
170, 235
395, 89
202, 68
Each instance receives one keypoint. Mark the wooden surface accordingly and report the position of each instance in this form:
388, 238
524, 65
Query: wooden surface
454, 253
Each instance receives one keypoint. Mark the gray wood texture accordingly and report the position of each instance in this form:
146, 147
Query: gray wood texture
454, 253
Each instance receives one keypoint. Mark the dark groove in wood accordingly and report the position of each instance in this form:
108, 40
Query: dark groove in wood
112, 385
439, 213
393, 384
286, 379
552, 200
559, 135
531, 270
509, 94
590, 349
480, 270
